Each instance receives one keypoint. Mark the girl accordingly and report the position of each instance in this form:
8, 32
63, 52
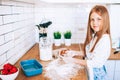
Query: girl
97, 45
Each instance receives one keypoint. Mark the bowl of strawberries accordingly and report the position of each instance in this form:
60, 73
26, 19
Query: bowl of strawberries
9, 72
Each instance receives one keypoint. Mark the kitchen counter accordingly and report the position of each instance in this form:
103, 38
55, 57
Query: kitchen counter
77, 47
114, 56
34, 53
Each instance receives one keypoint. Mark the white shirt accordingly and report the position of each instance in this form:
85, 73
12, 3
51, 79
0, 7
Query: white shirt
100, 54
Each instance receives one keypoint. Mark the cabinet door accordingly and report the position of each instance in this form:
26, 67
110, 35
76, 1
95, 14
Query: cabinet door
117, 75
117, 70
110, 66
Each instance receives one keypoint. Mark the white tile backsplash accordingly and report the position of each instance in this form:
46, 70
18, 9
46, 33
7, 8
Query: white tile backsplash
1, 21
16, 30
2, 58
17, 10
11, 52
2, 39
5, 28
5, 10
17, 33
4, 48
65, 18
8, 36
8, 19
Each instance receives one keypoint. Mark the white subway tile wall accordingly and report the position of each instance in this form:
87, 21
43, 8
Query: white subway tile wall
1, 40
2, 58
1, 22
5, 10
17, 30
65, 17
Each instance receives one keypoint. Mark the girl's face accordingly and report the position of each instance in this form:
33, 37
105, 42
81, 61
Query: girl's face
96, 22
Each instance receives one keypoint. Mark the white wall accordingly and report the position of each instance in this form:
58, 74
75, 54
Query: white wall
17, 34
115, 23
74, 17
64, 17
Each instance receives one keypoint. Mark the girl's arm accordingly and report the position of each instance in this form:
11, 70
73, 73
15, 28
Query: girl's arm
81, 62
75, 60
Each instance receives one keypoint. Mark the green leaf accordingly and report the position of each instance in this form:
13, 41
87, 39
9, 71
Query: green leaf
67, 35
57, 35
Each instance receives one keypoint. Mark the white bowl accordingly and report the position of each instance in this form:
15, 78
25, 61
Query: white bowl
10, 76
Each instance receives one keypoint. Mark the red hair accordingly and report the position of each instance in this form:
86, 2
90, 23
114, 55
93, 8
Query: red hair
102, 11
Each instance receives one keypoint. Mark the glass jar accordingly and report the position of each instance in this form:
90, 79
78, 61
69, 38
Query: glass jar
45, 49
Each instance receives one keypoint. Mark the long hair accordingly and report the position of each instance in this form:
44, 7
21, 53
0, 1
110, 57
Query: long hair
102, 11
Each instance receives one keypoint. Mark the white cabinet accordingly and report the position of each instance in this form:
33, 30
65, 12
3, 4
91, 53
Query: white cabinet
110, 67
113, 69
117, 70
117, 76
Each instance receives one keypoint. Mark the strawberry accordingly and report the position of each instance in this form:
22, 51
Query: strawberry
0, 71
4, 71
13, 70
8, 69
10, 72
7, 66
